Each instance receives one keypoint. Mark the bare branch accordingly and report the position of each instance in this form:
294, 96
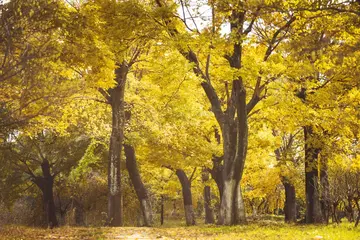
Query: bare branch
249, 28
192, 175
105, 94
207, 67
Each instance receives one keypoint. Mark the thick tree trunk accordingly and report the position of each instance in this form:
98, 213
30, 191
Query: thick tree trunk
187, 197
46, 183
49, 204
235, 140
290, 202
312, 189
226, 216
116, 100
139, 187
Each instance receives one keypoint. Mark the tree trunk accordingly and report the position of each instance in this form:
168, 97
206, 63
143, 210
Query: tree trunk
139, 187
162, 211
217, 174
240, 216
334, 212
313, 207
46, 183
79, 213
290, 202
187, 197
116, 100
209, 215
217, 169
325, 194
235, 140
349, 208
358, 208
49, 204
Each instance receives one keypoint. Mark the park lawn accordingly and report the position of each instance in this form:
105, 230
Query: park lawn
263, 230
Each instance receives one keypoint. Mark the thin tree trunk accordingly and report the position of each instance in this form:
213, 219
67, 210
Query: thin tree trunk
79, 213
116, 100
358, 208
259, 210
290, 202
349, 209
217, 174
162, 211
217, 169
325, 195
140, 189
334, 209
187, 197
312, 189
209, 215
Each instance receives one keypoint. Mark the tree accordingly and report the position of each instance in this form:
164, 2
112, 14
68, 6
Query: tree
141, 191
111, 23
233, 121
42, 158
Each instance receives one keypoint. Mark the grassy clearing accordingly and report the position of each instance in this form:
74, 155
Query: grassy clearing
262, 230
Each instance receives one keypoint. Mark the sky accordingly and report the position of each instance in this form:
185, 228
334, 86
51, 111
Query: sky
197, 14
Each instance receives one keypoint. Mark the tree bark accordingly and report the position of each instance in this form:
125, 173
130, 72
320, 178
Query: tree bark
162, 211
235, 139
139, 187
79, 212
358, 208
46, 183
240, 215
187, 197
116, 100
312, 189
209, 214
349, 208
334, 212
217, 174
290, 202
325, 194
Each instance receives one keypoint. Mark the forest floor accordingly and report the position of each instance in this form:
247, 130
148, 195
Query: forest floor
261, 230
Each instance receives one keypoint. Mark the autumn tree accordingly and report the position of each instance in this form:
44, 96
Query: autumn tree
207, 49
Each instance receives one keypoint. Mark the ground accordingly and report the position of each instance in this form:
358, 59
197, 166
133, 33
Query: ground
261, 230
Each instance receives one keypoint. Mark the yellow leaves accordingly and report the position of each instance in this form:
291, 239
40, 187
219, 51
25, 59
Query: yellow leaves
324, 63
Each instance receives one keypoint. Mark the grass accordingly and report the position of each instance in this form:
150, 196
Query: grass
262, 230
